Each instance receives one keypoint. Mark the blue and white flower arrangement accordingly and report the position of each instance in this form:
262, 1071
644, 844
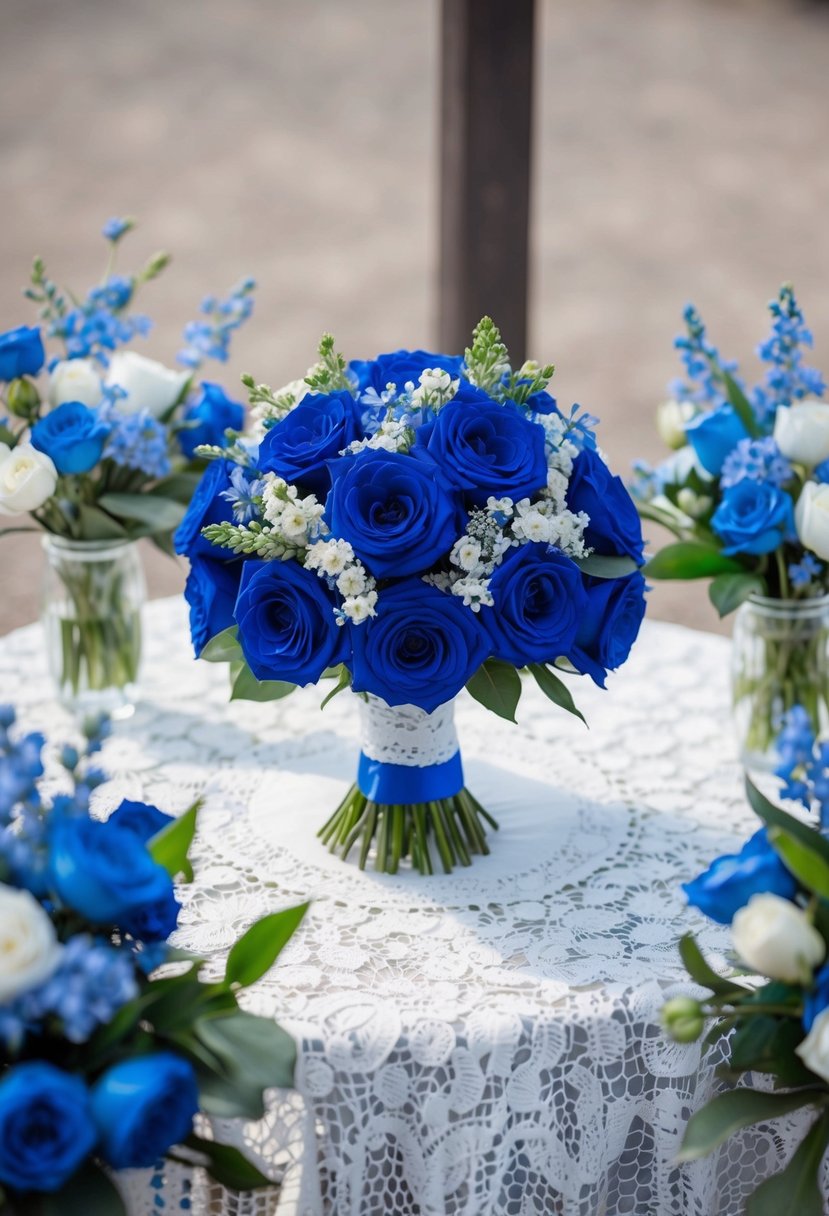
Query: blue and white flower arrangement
410, 526
105, 1060
770, 1011
746, 494
98, 444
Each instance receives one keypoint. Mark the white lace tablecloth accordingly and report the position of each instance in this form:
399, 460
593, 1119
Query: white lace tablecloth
484, 1044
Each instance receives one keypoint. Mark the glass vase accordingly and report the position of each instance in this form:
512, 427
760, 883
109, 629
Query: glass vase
409, 800
780, 658
93, 595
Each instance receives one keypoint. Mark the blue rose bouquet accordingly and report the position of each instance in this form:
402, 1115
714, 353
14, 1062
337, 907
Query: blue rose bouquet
746, 494
770, 1012
105, 1061
98, 449
410, 526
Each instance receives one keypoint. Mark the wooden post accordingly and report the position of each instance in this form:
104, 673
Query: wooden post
486, 136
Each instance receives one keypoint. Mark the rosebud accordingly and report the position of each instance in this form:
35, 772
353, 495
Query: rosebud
683, 1019
22, 399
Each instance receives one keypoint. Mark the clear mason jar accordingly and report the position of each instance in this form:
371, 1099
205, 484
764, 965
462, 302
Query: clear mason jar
780, 658
93, 595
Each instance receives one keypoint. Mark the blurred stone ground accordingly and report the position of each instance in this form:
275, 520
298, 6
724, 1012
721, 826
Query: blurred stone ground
682, 154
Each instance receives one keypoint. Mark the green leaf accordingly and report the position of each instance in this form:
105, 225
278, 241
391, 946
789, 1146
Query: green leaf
740, 404
223, 647
598, 565
555, 689
228, 1166
728, 591
87, 1192
775, 817
343, 682
700, 971
796, 1190
809, 868
256, 950
690, 559
660, 515
497, 686
170, 846
8, 437
729, 1112
97, 525
156, 513
178, 486
246, 687
252, 1054
164, 542
766, 1044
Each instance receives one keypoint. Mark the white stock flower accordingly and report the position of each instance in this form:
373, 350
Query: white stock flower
531, 525
358, 607
473, 592
352, 581
27, 478
812, 518
814, 1050
775, 938
672, 417
801, 431
29, 948
148, 385
466, 553
75, 380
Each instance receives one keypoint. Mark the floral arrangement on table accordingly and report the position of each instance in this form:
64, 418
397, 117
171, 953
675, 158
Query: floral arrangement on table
746, 493
410, 526
104, 1060
775, 895
99, 449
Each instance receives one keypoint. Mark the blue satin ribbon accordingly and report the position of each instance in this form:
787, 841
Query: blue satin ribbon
404, 783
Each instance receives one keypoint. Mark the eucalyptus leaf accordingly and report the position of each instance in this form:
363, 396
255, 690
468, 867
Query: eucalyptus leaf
97, 525
796, 1190
689, 559
228, 1166
170, 846
252, 1053
555, 689
700, 971
738, 1108
156, 513
600, 565
802, 860
497, 686
246, 687
728, 591
178, 486
258, 949
775, 817
222, 647
766, 1043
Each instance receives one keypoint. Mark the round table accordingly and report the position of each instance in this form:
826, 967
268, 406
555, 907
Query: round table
479, 1044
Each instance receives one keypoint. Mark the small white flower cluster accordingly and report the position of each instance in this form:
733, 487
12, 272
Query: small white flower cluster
334, 561
393, 435
435, 388
297, 519
284, 400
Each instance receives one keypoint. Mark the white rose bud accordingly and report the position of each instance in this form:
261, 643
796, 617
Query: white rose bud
814, 1050
27, 478
672, 417
75, 380
149, 385
29, 948
811, 516
775, 938
802, 432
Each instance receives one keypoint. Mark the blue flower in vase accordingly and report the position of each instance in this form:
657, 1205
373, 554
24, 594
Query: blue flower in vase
46, 1127
730, 881
143, 1106
753, 517
713, 435
73, 436
21, 352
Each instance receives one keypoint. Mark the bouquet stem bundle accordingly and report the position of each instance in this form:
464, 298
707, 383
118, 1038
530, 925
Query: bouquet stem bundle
446, 832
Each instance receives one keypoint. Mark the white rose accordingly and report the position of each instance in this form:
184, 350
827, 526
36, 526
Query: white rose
149, 385
75, 380
672, 417
775, 938
27, 478
812, 518
29, 948
814, 1050
802, 432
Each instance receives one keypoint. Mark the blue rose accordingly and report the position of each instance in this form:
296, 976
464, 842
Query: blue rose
211, 590
730, 881
396, 511
213, 413
46, 1128
300, 446
753, 517
287, 627
818, 999
21, 352
399, 367
609, 624
486, 449
420, 649
102, 872
73, 435
614, 527
713, 435
142, 1107
539, 599
207, 506
141, 818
